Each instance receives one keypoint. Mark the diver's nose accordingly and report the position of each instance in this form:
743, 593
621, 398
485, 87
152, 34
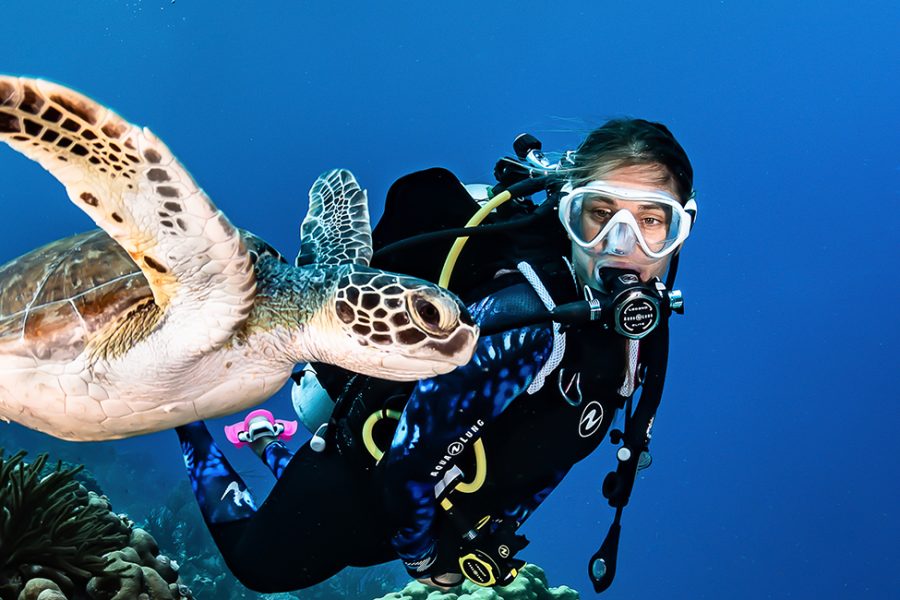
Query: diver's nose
620, 241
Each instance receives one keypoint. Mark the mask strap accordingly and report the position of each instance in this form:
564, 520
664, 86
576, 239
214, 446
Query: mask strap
690, 207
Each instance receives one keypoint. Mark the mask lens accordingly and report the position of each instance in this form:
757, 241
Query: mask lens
589, 214
599, 220
658, 224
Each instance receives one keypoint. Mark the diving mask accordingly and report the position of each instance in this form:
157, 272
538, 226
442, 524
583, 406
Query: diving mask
614, 220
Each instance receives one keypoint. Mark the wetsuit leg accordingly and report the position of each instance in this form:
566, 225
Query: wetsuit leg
277, 456
221, 494
323, 514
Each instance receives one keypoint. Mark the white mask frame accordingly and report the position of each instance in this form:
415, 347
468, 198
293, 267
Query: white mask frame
683, 215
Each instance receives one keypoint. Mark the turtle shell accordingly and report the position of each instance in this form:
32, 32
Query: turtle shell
59, 297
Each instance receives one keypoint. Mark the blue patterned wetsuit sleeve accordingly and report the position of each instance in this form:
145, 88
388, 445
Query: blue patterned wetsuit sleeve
441, 410
221, 494
276, 456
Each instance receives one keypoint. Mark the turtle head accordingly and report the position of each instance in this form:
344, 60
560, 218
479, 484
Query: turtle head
393, 326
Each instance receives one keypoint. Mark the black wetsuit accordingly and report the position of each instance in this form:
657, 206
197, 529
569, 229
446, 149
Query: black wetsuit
338, 508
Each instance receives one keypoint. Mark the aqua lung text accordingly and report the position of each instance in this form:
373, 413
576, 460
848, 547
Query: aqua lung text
456, 447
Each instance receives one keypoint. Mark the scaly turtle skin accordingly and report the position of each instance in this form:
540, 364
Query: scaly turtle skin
170, 314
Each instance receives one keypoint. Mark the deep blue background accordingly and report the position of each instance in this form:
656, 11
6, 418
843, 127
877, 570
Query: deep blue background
775, 472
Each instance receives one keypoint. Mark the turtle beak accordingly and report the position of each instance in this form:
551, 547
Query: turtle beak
459, 347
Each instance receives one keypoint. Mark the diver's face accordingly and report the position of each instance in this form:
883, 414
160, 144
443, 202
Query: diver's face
652, 219
619, 249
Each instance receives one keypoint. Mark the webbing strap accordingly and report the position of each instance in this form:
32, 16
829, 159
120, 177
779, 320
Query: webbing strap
630, 383
559, 337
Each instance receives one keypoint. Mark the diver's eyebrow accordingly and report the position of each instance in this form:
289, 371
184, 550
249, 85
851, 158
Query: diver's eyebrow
603, 199
650, 206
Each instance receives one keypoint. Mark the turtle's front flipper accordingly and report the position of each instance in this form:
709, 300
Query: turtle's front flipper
336, 229
132, 186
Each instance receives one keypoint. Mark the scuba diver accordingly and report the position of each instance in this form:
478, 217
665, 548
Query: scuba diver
572, 296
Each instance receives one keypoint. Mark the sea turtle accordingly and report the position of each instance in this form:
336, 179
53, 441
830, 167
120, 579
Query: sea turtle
170, 314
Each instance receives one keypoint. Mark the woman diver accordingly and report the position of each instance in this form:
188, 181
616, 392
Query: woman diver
474, 452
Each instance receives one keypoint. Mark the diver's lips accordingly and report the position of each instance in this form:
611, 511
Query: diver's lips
622, 265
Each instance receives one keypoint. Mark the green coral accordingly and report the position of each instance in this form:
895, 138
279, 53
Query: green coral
531, 584
51, 521
79, 474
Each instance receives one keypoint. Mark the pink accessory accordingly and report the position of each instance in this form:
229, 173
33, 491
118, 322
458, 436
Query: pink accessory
259, 422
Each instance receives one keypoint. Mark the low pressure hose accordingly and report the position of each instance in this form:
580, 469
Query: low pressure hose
476, 220
518, 190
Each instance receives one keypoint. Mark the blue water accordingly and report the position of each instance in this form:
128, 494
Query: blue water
775, 470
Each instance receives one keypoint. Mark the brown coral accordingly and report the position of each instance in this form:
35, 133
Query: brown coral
131, 574
35, 588
51, 522
58, 540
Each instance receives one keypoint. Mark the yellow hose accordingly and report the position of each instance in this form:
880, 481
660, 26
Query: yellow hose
476, 220
369, 426
480, 470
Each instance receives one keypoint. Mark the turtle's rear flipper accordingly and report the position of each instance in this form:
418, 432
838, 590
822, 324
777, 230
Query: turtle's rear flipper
132, 186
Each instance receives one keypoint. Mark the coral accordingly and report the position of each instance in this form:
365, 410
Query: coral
138, 569
79, 473
52, 521
122, 579
62, 581
60, 541
531, 584
148, 553
36, 587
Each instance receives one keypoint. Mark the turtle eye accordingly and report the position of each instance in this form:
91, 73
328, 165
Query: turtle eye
428, 312
432, 313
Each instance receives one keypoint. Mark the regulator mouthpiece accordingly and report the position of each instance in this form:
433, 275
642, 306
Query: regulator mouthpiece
634, 307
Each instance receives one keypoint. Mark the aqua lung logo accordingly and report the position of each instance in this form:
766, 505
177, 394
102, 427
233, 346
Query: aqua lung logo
628, 278
638, 316
456, 447
591, 419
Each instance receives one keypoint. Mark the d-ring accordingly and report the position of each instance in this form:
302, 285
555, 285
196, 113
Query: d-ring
566, 390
